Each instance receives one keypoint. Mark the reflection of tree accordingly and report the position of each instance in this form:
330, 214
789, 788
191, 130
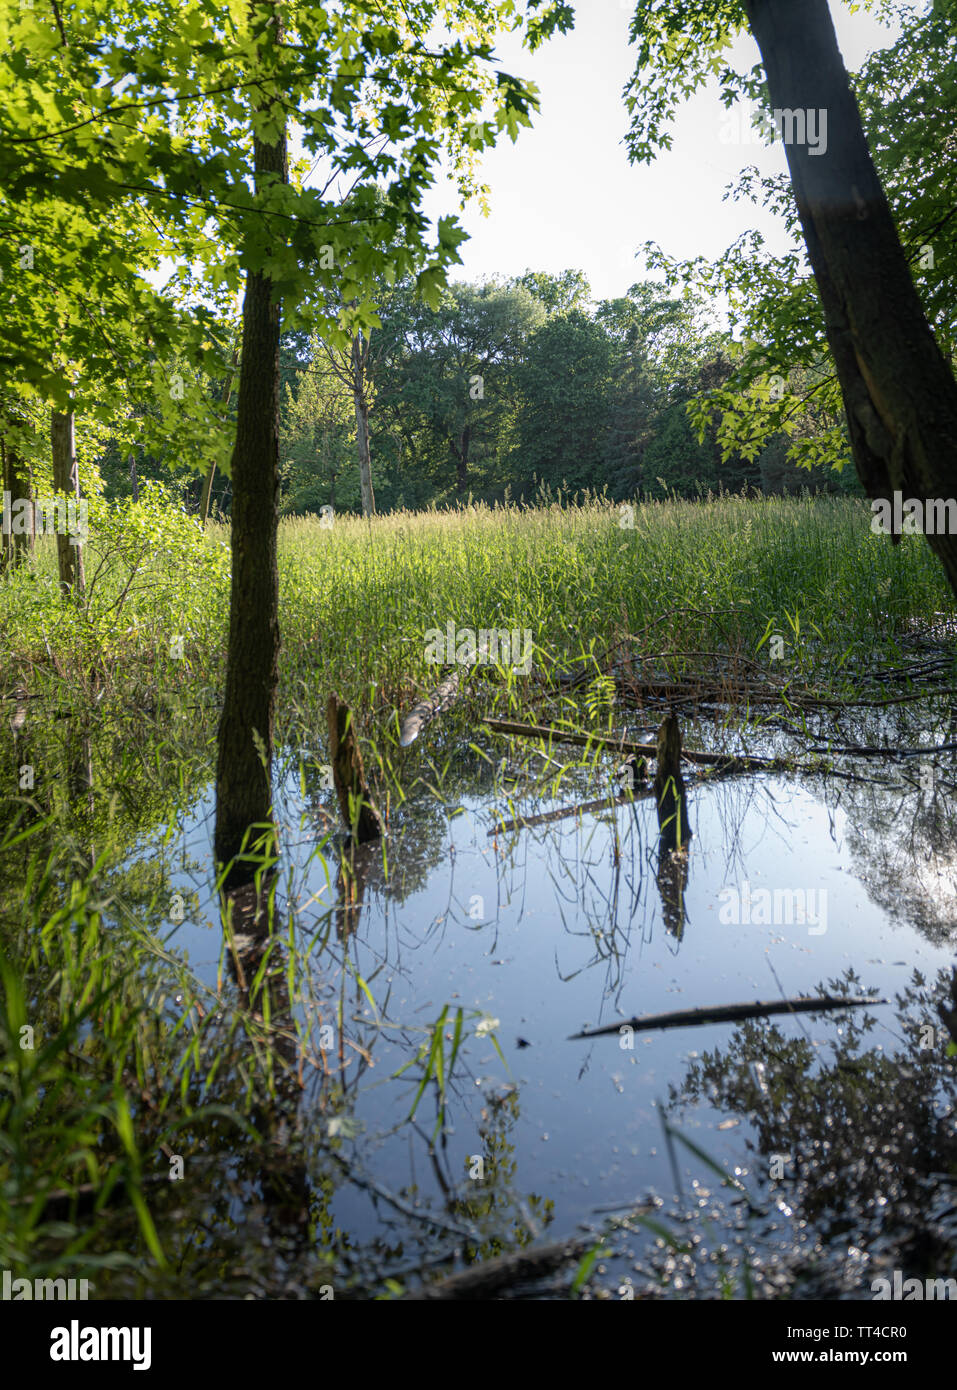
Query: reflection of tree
901, 818
863, 1142
505, 1220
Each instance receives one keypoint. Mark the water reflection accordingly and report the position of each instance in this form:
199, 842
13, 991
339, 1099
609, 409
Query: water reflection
411, 1007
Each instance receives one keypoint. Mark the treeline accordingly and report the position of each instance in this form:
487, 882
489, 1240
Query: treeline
505, 389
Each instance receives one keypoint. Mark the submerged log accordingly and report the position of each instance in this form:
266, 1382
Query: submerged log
492, 1277
355, 800
441, 699
723, 762
581, 808
726, 1013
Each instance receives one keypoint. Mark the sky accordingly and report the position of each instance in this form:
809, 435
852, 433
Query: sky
565, 196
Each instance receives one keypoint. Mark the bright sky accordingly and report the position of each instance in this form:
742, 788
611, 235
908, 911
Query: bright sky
565, 196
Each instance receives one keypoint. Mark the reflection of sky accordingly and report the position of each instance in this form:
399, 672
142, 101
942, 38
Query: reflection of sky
538, 930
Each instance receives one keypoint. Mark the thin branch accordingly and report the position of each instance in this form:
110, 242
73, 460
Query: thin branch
59, 22
727, 1013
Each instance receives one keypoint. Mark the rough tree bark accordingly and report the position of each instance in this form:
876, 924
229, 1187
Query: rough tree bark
243, 772
900, 396
66, 480
6, 540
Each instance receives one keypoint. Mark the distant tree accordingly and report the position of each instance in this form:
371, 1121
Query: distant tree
660, 344
317, 449
558, 294
453, 368
565, 388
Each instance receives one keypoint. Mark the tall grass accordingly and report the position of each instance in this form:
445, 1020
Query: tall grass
358, 597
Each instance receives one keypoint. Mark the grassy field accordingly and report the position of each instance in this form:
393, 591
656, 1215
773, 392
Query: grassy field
357, 598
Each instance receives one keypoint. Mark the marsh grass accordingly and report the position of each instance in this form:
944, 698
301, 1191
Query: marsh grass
357, 598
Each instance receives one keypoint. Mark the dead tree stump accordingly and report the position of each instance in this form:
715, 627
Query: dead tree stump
670, 788
355, 800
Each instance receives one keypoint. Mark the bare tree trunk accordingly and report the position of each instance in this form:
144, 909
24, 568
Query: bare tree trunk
244, 765
204, 498
362, 426
66, 480
210, 476
17, 488
900, 396
460, 451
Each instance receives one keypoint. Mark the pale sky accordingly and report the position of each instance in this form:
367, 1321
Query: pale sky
565, 196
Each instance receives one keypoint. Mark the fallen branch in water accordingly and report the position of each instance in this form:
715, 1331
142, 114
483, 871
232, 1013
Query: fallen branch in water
727, 1013
585, 808
865, 750
425, 711
441, 698
504, 1271
726, 762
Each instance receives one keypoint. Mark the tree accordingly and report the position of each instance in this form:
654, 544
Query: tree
565, 383
558, 294
66, 482
245, 743
453, 366
376, 99
316, 436
899, 394
18, 520
659, 344
783, 385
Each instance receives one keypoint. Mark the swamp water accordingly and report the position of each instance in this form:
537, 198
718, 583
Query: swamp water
803, 1155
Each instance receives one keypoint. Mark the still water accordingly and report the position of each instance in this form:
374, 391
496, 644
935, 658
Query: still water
537, 931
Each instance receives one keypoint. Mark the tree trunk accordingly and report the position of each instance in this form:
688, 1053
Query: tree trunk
243, 772
66, 480
6, 540
17, 487
362, 427
210, 476
204, 498
900, 397
460, 451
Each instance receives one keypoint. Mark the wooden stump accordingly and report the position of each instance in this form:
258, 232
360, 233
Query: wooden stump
670, 788
355, 800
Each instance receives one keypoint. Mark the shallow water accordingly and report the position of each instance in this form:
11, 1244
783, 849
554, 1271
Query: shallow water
537, 932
